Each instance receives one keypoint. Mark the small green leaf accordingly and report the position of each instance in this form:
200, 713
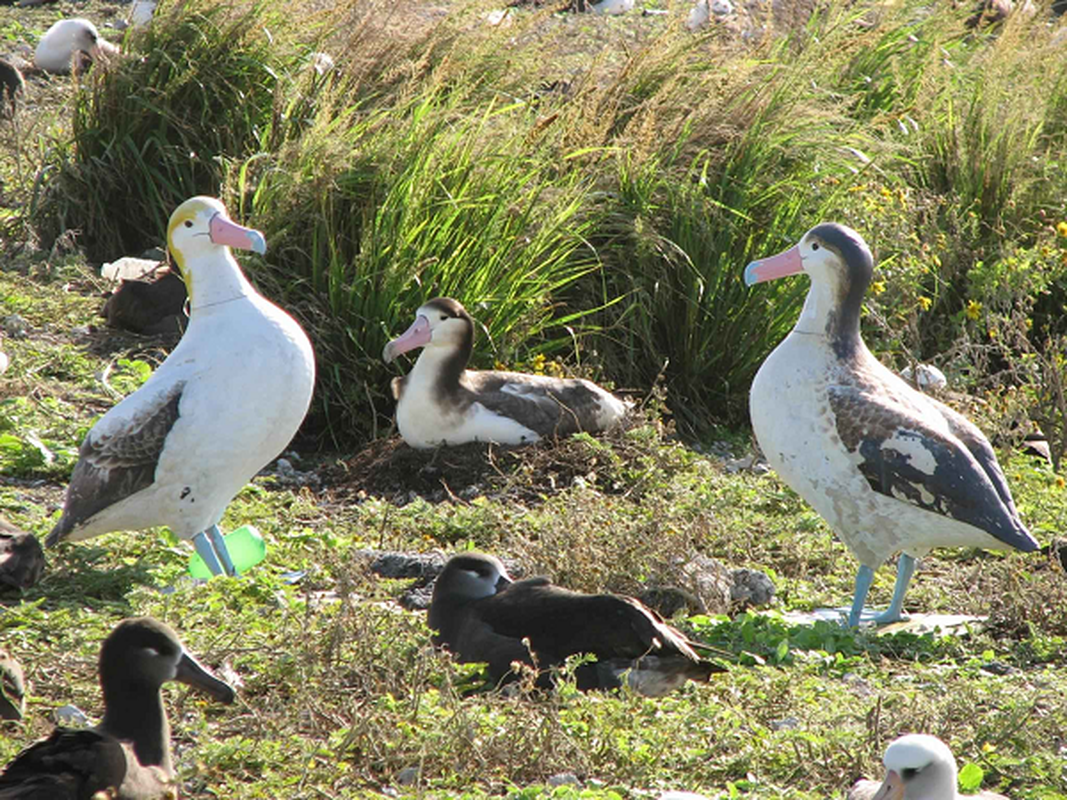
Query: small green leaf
782, 650
971, 777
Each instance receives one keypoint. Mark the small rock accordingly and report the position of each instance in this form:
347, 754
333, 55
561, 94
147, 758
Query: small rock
563, 779
928, 378
711, 582
15, 326
751, 587
391, 564
859, 686
786, 724
998, 668
407, 776
71, 716
612, 7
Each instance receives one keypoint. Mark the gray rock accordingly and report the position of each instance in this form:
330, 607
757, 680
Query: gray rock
751, 587
564, 779
711, 582
71, 716
407, 776
16, 326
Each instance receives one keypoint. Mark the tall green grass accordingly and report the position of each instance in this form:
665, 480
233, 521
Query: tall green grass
594, 205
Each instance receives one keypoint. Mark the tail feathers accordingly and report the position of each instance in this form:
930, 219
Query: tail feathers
651, 676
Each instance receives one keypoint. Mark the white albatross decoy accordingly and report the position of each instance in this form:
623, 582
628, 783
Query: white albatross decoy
889, 468
127, 756
918, 767
442, 402
67, 38
226, 401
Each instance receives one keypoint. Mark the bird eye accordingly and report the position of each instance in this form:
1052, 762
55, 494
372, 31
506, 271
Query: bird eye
188, 223
444, 316
814, 245
908, 773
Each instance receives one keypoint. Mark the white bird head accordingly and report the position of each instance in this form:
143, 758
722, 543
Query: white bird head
200, 231
918, 767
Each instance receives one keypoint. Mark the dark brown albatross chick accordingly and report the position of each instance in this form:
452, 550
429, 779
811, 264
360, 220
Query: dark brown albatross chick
127, 755
481, 615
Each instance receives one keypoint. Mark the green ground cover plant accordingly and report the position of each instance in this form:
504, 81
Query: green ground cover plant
591, 189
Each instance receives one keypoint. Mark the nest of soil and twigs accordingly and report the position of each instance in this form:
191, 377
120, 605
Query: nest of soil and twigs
622, 461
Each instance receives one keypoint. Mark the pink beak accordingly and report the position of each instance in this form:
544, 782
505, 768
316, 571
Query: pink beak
103, 50
767, 269
415, 336
892, 788
227, 232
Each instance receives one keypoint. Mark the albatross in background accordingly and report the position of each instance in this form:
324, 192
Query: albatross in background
128, 754
888, 467
918, 767
481, 615
442, 402
226, 401
66, 42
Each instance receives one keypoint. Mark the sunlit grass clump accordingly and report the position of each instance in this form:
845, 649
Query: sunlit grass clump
597, 206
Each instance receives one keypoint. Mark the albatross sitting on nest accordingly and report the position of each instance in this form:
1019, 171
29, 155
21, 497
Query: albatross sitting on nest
442, 402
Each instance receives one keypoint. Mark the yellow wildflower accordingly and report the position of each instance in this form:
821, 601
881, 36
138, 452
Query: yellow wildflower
539, 364
878, 287
974, 309
1060, 482
1061, 228
925, 303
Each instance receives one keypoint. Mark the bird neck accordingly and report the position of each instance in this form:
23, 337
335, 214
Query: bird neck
216, 279
441, 363
138, 717
835, 315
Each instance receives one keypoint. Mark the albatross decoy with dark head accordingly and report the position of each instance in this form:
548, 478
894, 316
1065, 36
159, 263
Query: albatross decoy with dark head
481, 615
128, 754
918, 767
226, 401
889, 468
442, 402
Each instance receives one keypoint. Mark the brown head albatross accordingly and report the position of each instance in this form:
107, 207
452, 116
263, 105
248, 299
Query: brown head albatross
481, 615
888, 467
442, 402
127, 756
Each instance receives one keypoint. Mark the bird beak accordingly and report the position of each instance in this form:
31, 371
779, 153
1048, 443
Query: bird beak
227, 232
415, 336
767, 269
102, 51
892, 788
190, 672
